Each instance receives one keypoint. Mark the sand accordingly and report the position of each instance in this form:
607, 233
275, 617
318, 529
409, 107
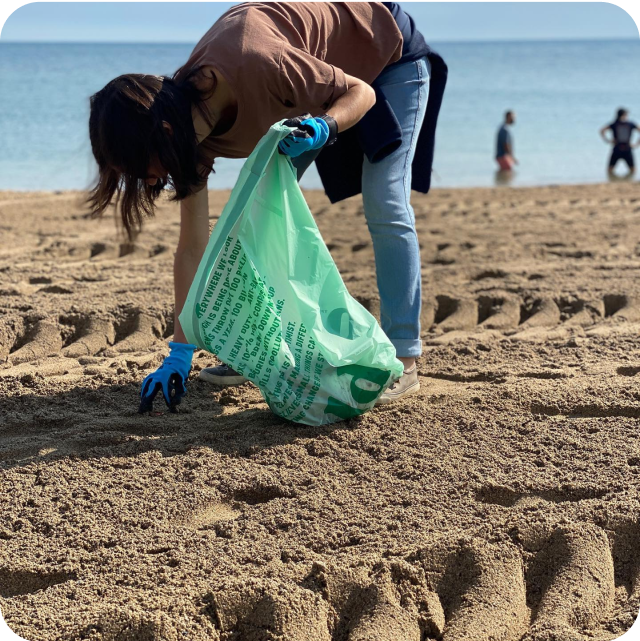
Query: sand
501, 503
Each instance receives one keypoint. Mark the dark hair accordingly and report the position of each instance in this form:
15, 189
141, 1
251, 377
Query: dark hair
622, 112
127, 132
507, 114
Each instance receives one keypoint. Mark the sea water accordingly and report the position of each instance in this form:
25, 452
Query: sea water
562, 93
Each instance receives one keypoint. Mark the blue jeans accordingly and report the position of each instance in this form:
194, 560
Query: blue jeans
386, 191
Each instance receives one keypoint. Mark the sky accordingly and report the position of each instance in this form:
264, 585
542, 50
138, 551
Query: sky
186, 22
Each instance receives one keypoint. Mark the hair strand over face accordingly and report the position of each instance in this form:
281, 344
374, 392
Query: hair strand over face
128, 131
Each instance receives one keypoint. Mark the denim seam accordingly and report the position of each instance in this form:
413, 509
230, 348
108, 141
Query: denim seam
407, 197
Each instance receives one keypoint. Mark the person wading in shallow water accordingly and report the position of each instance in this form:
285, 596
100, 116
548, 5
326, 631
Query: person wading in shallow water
504, 144
622, 132
363, 91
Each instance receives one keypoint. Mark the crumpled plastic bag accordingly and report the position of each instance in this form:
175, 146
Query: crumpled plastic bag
269, 301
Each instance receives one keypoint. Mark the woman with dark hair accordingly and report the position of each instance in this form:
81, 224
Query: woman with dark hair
352, 79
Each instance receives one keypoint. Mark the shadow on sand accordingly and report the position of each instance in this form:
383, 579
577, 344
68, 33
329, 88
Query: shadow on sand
104, 422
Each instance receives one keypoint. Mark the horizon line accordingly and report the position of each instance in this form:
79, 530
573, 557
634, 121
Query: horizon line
444, 41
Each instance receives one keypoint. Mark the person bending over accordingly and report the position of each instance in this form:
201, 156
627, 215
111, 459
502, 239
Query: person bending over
352, 78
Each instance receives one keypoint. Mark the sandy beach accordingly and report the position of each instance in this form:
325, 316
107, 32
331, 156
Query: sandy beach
500, 503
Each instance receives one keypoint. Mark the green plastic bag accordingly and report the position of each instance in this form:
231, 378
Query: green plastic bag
269, 301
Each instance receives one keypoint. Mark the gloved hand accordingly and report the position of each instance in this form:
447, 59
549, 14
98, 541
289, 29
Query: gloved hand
170, 377
309, 133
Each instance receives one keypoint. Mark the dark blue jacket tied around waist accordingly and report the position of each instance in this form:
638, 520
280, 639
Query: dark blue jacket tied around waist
378, 133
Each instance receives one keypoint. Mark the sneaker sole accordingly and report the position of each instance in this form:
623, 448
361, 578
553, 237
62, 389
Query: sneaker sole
386, 399
223, 381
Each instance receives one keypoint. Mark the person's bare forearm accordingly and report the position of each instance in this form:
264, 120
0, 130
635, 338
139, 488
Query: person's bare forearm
194, 235
185, 266
351, 106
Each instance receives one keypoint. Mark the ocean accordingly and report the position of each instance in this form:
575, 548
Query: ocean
562, 93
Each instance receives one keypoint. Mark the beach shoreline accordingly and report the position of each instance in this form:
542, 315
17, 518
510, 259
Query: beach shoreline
505, 496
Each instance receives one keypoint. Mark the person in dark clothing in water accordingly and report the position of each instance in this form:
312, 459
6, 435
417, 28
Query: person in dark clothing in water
622, 131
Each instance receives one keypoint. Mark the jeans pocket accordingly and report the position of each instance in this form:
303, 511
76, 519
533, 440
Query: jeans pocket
405, 73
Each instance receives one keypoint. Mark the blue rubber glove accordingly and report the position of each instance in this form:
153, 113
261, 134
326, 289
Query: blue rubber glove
309, 133
171, 377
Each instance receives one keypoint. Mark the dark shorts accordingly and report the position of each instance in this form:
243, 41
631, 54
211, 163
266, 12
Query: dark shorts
621, 152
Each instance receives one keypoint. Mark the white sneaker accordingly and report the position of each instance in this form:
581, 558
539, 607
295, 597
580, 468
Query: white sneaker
406, 385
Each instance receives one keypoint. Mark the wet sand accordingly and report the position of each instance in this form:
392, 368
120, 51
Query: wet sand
500, 503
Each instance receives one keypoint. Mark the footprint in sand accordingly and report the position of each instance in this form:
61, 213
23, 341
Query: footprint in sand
211, 514
129, 623
330, 604
31, 339
526, 319
557, 584
18, 582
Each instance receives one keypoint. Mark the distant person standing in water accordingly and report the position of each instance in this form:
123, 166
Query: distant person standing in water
622, 131
504, 145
